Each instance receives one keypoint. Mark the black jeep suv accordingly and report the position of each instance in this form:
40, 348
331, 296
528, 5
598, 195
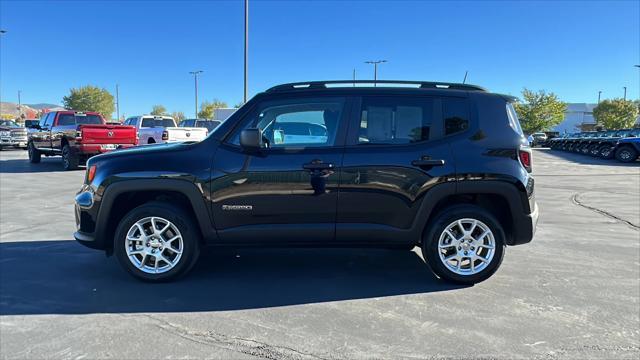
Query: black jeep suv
395, 164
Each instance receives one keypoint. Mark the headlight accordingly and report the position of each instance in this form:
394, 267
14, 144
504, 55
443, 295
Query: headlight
5, 133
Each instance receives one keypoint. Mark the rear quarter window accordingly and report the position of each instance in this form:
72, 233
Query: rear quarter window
514, 122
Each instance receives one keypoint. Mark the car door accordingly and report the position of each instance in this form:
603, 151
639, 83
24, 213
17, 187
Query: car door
64, 125
397, 151
43, 134
287, 191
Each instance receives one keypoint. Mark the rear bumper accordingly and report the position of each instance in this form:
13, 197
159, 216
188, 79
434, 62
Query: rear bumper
98, 148
525, 226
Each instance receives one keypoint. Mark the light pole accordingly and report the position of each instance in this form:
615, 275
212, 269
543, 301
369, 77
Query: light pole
599, 92
354, 77
117, 103
195, 78
2, 32
466, 72
19, 104
625, 92
246, 46
375, 68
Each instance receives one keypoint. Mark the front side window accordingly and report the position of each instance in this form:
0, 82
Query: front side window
396, 120
297, 123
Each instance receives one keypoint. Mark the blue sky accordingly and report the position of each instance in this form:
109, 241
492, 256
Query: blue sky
572, 48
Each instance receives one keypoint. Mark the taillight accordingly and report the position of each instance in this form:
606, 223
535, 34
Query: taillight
165, 135
79, 135
525, 159
91, 173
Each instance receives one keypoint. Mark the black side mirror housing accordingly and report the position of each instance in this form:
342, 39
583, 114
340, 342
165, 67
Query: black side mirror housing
251, 139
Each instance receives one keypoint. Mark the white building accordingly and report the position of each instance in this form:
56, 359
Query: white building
223, 113
577, 117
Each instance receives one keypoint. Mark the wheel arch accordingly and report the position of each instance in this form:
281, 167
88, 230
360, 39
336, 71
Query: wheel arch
121, 197
502, 199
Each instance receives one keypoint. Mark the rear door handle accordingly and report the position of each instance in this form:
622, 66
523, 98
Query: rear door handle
317, 166
427, 162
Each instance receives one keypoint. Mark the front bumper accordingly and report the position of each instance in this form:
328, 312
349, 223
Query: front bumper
85, 214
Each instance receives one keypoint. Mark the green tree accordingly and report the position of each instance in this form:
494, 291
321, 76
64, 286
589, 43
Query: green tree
616, 114
539, 111
208, 108
158, 110
90, 98
178, 116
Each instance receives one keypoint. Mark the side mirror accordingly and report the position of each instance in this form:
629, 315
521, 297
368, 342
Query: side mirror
251, 139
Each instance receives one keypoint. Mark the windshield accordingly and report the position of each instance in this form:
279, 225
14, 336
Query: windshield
148, 122
8, 123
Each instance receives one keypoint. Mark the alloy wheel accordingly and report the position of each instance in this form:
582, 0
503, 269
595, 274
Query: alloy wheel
154, 245
466, 246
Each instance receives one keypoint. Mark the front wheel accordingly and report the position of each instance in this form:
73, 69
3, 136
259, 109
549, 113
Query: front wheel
34, 155
465, 244
626, 154
157, 242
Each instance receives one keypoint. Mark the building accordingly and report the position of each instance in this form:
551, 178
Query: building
579, 117
223, 113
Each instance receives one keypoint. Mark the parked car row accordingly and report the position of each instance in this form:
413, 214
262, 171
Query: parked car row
623, 144
77, 135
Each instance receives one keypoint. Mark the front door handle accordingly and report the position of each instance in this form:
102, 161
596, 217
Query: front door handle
427, 162
317, 166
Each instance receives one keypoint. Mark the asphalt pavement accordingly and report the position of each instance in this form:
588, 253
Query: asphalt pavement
574, 292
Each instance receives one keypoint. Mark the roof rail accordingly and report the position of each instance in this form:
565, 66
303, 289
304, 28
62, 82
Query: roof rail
422, 85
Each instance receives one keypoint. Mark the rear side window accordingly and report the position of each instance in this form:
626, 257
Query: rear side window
71, 119
513, 119
395, 120
456, 115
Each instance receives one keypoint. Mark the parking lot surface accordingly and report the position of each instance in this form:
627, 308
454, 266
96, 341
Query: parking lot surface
574, 292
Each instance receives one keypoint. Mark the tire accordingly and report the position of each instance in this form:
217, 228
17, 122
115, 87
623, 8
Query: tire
606, 152
151, 141
436, 231
593, 150
34, 155
182, 226
626, 154
70, 159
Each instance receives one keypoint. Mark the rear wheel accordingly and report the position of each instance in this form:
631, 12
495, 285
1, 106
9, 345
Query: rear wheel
626, 154
34, 154
70, 159
606, 151
157, 242
465, 244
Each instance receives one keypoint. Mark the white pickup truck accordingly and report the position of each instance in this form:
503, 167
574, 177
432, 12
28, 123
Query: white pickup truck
154, 129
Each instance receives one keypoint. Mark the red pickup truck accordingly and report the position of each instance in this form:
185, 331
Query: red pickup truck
76, 136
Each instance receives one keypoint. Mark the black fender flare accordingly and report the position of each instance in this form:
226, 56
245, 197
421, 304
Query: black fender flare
186, 188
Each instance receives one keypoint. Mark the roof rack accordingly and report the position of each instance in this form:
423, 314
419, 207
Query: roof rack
422, 85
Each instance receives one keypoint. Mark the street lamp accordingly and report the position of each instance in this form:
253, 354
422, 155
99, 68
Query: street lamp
246, 47
599, 92
625, 92
375, 68
195, 78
